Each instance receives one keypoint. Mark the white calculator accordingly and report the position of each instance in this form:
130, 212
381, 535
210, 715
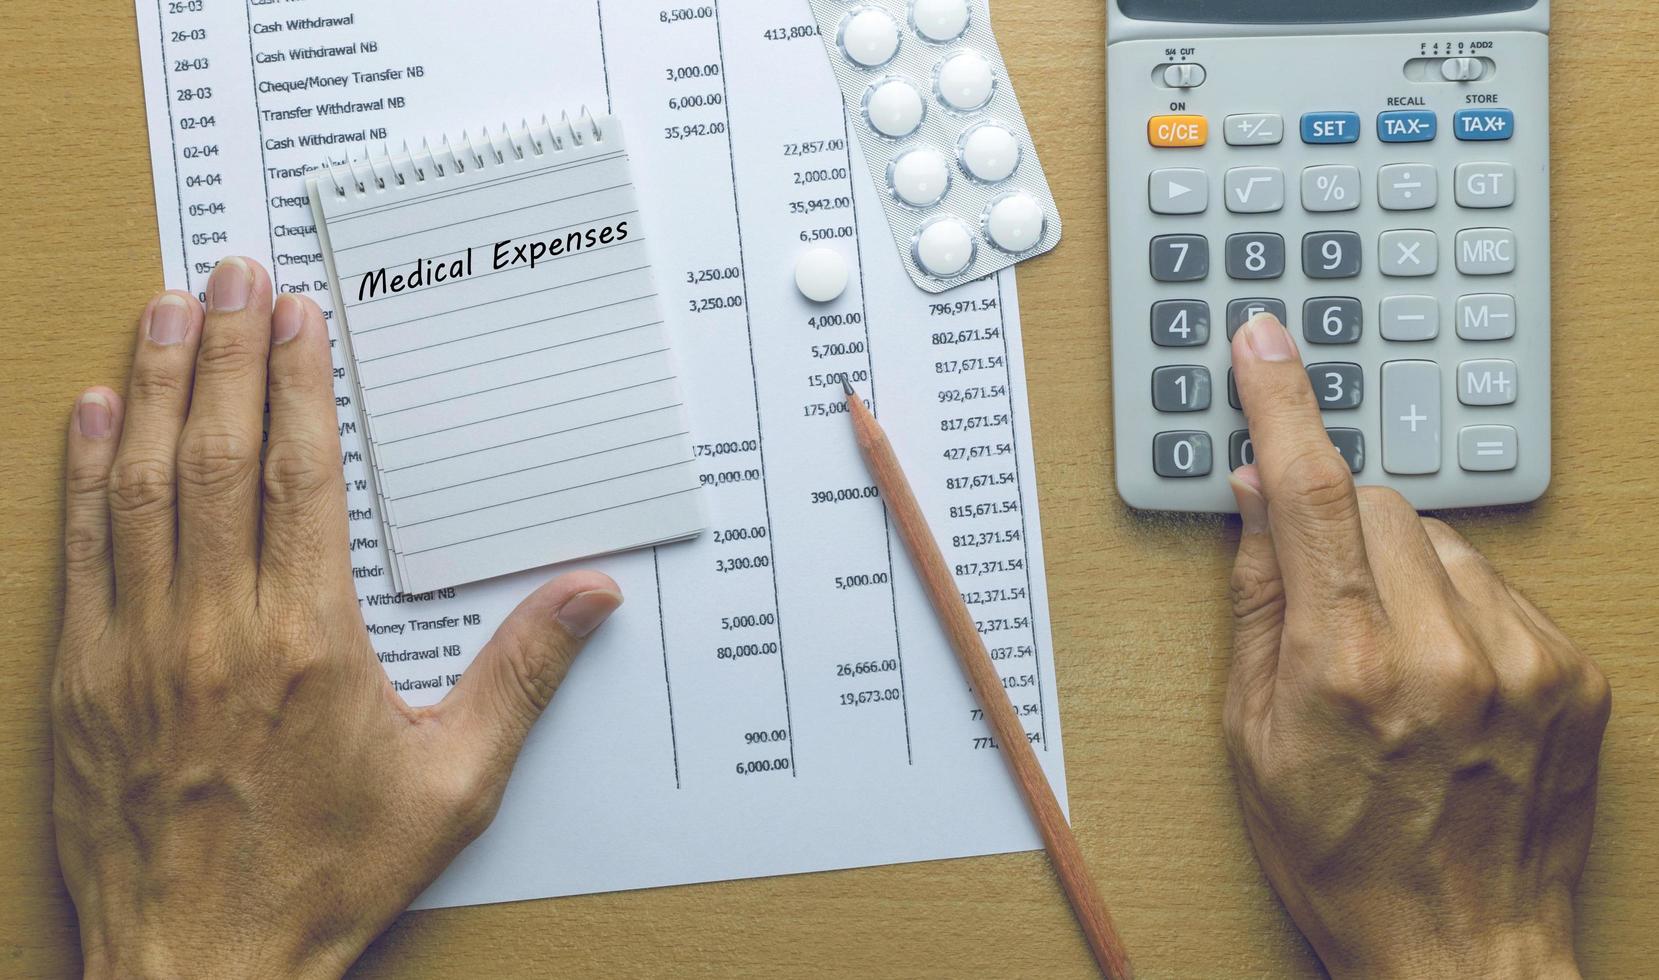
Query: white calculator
1374, 173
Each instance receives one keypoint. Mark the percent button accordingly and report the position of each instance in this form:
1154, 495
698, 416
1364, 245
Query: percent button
1331, 188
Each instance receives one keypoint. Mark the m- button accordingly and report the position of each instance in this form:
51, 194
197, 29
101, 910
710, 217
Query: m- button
1172, 131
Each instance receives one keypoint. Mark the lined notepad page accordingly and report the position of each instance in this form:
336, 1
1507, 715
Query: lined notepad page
509, 350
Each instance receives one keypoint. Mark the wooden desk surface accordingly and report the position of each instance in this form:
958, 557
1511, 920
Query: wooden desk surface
1142, 656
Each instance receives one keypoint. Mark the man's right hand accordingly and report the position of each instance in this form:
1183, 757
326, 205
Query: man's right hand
1415, 742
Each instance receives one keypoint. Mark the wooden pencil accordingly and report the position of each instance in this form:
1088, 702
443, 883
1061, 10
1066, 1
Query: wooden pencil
953, 612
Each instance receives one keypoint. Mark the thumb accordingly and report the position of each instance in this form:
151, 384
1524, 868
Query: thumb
1258, 609
516, 674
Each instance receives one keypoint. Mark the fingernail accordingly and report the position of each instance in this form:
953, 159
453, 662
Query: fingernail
1252, 506
93, 416
229, 286
286, 319
587, 611
169, 320
1269, 338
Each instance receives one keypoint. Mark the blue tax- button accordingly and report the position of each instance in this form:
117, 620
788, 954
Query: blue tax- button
1484, 124
1413, 126
1330, 127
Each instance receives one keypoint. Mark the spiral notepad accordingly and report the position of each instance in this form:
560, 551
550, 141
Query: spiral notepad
504, 336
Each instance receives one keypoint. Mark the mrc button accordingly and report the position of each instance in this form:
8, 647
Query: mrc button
1330, 127
1484, 124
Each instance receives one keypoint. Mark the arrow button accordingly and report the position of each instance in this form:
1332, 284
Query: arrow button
1179, 191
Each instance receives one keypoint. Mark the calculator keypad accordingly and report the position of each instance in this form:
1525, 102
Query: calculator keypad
1401, 237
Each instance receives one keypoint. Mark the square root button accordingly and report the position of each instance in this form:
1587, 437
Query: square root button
1487, 448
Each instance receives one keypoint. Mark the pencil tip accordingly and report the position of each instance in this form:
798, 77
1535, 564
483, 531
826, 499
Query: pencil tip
847, 385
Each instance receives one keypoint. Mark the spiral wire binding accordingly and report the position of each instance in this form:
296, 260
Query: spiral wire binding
386, 170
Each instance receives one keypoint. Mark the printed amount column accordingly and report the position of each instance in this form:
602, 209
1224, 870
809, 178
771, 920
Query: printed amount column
724, 626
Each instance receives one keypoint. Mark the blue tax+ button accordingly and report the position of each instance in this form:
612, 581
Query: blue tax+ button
1414, 126
1330, 127
1484, 124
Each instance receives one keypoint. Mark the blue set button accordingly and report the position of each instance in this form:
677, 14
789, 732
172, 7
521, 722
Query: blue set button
1484, 124
1413, 126
1330, 127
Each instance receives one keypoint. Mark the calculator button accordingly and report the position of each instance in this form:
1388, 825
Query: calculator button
1408, 126
1181, 323
1483, 124
1407, 187
1337, 386
1184, 76
1330, 127
1240, 450
1411, 417
1330, 188
1410, 318
1485, 185
1331, 255
1185, 388
1239, 312
1179, 191
1232, 391
1255, 190
1180, 258
1172, 131
1409, 253
1485, 251
1254, 129
1486, 316
1351, 444
1332, 320
1487, 448
1486, 382
1180, 455
1255, 255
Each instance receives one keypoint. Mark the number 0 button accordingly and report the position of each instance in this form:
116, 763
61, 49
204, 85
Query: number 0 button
1179, 455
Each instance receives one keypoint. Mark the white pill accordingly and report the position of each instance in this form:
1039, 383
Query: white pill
821, 274
869, 37
944, 247
919, 178
989, 152
939, 21
965, 81
1015, 222
893, 107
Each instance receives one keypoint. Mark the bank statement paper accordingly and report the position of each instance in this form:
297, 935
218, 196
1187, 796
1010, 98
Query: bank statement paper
776, 696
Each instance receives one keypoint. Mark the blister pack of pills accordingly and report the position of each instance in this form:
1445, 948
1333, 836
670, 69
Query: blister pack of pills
942, 133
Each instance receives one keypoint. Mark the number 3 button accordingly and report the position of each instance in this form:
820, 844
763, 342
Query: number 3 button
1337, 386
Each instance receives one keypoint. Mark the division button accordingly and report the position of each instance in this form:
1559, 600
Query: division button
1407, 187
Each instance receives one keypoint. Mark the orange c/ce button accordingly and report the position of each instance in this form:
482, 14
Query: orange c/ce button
1178, 130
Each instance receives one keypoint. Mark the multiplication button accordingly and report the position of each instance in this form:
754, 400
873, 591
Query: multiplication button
1409, 253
